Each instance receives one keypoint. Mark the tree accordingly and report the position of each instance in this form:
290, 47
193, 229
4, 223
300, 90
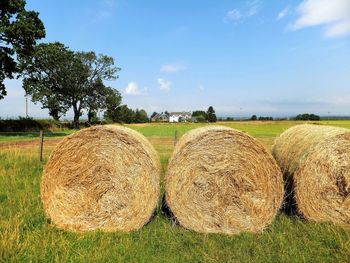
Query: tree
254, 118
153, 114
199, 114
140, 116
75, 80
211, 116
121, 114
101, 98
19, 31
95, 69
200, 118
48, 76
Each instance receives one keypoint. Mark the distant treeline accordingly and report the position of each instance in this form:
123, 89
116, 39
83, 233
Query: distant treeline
301, 117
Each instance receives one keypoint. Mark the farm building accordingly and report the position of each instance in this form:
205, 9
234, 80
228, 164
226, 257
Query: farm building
179, 116
160, 117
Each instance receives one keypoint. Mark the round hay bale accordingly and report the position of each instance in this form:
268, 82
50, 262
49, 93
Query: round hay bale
101, 178
293, 145
316, 162
221, 180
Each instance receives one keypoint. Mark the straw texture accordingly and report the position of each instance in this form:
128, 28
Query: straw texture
101, 178
221, 180
316, 161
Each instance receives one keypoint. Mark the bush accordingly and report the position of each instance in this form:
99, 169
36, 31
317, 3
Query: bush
30, 125
200, 118
307, 117
20, 125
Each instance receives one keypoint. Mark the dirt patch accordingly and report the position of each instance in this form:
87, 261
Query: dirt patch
29, 143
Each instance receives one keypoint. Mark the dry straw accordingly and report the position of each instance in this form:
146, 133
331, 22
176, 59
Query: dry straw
101, 178
222, 180
316, 160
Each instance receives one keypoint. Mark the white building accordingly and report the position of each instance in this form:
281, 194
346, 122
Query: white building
179, 116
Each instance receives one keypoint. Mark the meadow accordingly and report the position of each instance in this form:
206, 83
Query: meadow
26, 235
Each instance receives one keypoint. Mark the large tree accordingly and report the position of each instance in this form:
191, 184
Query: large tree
102, 98
75, 80
48, 77
96, 68
19, 31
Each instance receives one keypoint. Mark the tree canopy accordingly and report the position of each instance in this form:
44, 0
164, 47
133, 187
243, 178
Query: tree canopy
62, 79
211, 116
19, 31
123, 114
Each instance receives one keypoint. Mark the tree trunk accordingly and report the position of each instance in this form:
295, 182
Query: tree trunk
90, 115
76, 116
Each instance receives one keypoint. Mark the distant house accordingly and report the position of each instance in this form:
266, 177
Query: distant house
179, 116
160, 117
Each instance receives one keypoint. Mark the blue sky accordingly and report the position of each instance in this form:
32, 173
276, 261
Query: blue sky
274, 58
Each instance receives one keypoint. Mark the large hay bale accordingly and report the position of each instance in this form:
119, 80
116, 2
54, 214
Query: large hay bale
316, 161
101, 178
221, 180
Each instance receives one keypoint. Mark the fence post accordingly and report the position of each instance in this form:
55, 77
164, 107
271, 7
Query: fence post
175, 138
41, 145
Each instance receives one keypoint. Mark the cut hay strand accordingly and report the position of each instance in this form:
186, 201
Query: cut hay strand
316, 161
101, 178
222, 180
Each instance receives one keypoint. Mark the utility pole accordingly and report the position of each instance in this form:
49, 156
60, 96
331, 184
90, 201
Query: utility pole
26, 105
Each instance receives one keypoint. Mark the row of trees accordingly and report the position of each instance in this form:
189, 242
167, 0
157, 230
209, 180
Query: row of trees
202, 116
62, 79
124, 114
261, 118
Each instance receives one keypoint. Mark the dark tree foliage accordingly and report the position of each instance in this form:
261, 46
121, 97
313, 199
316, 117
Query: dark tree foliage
19, 31
123, 114
262, 118
308, 117
71, 80
141, 116
48, 77
254, 118
211, 116
200, 114
153, 114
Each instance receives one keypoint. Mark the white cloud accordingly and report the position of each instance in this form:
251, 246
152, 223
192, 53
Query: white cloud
233, 14
283, 13
172, 68
251, 9
164, 84
201, 87
133, 89
334, 15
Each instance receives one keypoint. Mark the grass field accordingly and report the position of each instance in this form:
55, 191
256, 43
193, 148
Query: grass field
26, 235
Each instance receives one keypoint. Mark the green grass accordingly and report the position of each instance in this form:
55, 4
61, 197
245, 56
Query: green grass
27, 136
26, 235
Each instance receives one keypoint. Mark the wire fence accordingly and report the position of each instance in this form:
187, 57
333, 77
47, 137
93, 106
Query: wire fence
15, 137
